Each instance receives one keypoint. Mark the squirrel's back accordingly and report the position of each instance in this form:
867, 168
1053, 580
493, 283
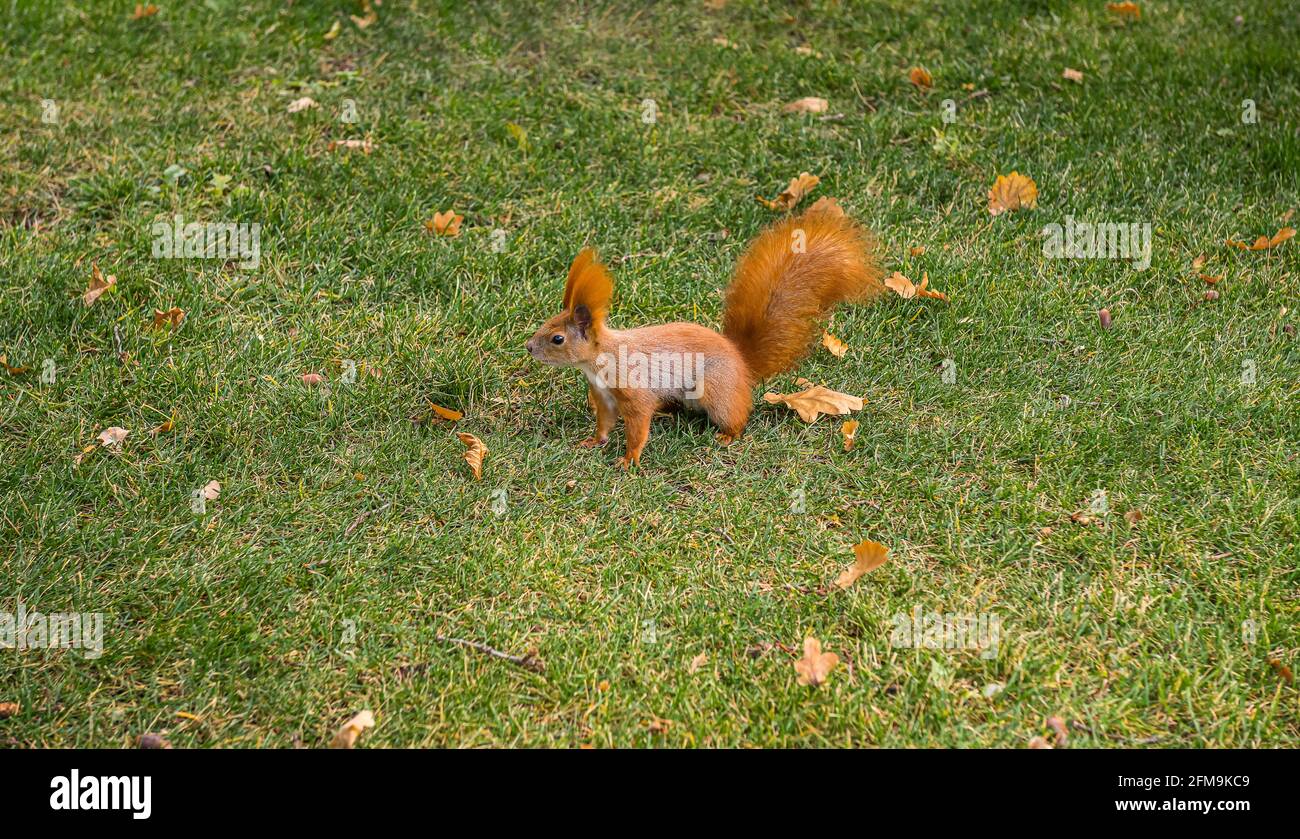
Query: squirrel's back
789, 278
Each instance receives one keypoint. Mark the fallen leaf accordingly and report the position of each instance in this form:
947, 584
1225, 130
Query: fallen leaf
826, 204
697, 662
164, 427
13, 371
815, 665
347, 736
1211, 280
1125, 9
312, 379
1210, 295
519, 133
837, 347
793, 194
1072, 75
1039, 743
174, 316
9, 709
98, 284
850, 431
807, 105
1060, 734
905, 289
1198, 262
153, 741
870, 556
143, 10
919, 250
1264, 243
302, 104
816, 400
1012, 192
1282, 670
475, 451
333, 31
1133, 516
920, 77
211, 490
369, 15
1103, 317
444, 224
347, 145
446, 413
112, 436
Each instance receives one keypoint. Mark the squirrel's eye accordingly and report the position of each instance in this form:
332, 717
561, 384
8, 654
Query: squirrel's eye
557, 339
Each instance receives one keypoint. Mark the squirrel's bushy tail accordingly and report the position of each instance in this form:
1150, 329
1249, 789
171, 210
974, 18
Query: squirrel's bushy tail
789, 279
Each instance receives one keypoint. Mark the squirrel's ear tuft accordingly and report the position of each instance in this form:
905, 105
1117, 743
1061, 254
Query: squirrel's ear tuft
589, 286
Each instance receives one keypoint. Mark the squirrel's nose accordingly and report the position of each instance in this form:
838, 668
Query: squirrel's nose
529, 345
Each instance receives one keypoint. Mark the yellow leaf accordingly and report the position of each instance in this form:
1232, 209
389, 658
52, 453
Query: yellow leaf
1012, 192
850, 431
816, 400
815, 665
13, 371
920, 77
807, 105
870, 556
98, 284
1264, 243
333, 31
837, 347
446, 413
347, 736
143, 10
475, 451
905, 289
793, 194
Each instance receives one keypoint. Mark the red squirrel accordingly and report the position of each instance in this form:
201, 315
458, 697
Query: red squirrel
788, 279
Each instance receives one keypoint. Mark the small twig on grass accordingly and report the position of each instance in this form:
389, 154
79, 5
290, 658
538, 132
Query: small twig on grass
364, 515
1141, 741
528, 661
117, 342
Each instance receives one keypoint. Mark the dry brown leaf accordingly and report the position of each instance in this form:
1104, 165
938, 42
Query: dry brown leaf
98, 284
1072, 75
475, 451
144, 10
905, 289
1133, 516
850, 431
446, 413
793, 194
112, 436
1060, 734
302, 104
164, 427
836, 347
1198, 262
1282, 670
369, 15
815, 665
9, 709
920, 77
816, 400
312, 379
1264, 243
174, 316
1125, 9
365, 145
870, 556
211, 490
1012, 192
697, 662
13, 371
826, 204
807, 105
347, 736
1039, 743
919, 250
444, 224
1211, 279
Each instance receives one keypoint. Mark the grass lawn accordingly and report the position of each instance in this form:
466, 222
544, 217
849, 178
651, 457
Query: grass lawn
668, 604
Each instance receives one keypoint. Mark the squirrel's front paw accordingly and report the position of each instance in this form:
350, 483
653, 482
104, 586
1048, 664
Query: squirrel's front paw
725, 439
626, 462
593, 442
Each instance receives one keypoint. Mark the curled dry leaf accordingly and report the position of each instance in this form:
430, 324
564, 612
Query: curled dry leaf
1072, 75
870, 556
1282, 670
807, 105
9, 709
827, 204
1133, 516
369, 15
174, 316
1129, 10
816, 400
905, 289
444, 224
347, 736
1211, 279
302, 104
164, 427
1060, 735
11, 370
211, 490
697, 662
920, 77
112, 436
98, 284
815, 665
836, 347
1198, 262
1012, 192
475, 451
1264, 243
919, 250
312, 379
446, 413
850, 431
793, 194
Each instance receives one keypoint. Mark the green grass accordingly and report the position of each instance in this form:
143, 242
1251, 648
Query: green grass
231, 628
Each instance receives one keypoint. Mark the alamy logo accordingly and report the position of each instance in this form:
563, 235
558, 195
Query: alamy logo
655, 371
34, 630
223, 240
1104, 240
940, 631
120, 792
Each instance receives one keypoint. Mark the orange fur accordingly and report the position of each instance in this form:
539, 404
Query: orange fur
774, 304
778, 298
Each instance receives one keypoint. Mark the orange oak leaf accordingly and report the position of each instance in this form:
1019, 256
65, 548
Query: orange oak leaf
793, 194
347, 736
98, 284
816, 400
836, 347
1264, 243
1012, 192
